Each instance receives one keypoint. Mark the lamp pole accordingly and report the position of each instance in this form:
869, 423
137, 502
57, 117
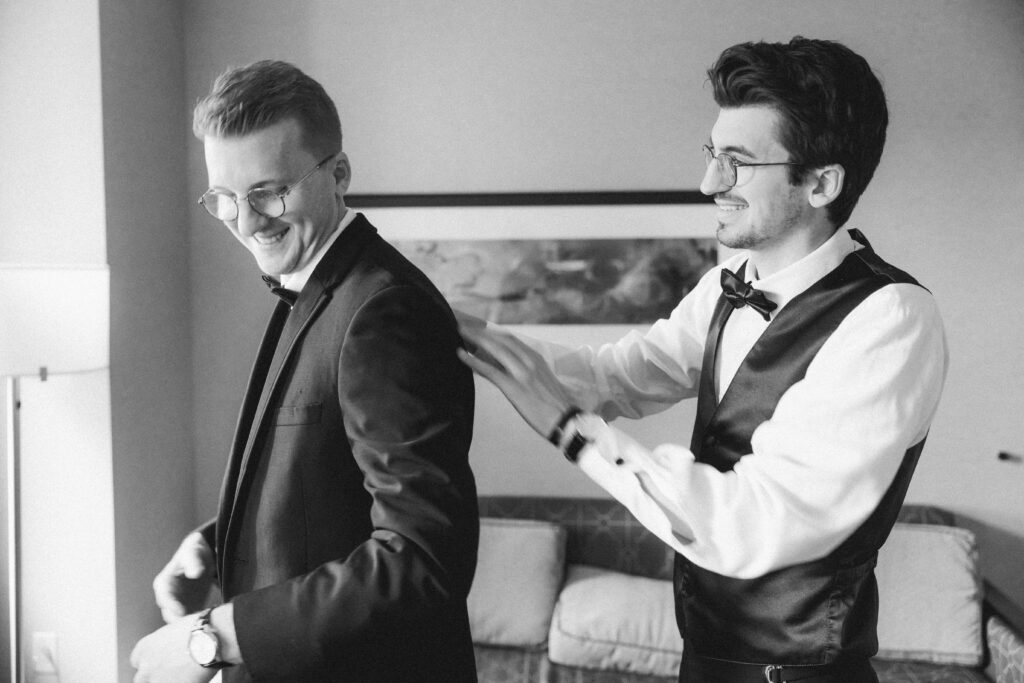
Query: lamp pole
13, 402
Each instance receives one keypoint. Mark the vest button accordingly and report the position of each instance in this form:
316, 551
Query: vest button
710, 441
686, 585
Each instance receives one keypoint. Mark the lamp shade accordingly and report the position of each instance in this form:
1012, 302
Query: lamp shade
54, 317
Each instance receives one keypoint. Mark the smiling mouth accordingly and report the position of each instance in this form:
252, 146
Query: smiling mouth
728, 204
269, 240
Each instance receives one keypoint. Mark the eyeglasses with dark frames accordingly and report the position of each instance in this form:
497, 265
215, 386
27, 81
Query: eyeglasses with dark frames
263, 200
727, 164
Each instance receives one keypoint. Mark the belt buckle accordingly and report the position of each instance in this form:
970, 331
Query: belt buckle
773, 673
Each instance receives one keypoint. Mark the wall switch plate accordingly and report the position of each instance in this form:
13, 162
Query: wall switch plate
44, 652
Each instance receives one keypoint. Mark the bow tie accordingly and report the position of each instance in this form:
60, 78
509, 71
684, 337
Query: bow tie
740, 294
285, 295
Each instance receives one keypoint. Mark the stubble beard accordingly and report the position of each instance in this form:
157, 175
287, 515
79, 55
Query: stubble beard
756, 235
751, 239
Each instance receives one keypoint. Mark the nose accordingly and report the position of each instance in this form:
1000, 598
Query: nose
249, 222
713, 181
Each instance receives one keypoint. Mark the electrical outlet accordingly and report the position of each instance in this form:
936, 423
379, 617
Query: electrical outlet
44, 654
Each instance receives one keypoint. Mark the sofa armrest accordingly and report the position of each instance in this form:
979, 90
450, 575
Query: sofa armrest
1006, 652
1004, 635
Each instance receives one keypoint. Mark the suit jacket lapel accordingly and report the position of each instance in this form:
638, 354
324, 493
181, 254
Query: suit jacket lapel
257, 380
297, 321
329, 273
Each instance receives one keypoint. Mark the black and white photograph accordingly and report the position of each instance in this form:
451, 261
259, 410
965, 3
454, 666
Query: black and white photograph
476, 341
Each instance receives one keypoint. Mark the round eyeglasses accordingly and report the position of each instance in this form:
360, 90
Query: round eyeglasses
263, 200
727, 164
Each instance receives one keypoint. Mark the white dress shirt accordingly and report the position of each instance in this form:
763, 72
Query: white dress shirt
819, 465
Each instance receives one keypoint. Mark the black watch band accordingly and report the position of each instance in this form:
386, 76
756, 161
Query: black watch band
575, 445
555, 437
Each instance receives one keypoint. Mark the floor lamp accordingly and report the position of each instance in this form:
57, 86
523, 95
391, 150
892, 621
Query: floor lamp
53, 320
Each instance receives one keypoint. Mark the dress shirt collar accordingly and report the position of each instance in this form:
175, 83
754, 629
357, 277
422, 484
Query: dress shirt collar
297, 280
792, 280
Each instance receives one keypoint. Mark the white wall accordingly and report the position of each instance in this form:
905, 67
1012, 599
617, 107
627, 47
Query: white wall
51, 140
148, 248
604, 95
52, 191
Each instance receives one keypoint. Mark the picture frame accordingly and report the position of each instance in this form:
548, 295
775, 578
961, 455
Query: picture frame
626, 222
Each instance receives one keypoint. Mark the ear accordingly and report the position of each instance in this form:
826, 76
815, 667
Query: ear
827, 183
342, 172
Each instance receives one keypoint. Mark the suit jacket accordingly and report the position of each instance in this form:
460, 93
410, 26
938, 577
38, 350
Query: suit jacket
348, 525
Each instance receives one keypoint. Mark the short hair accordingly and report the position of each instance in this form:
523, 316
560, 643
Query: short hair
247, 99
831, 104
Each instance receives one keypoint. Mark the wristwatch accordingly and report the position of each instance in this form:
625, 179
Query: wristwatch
576, 444
203, 643
576, 434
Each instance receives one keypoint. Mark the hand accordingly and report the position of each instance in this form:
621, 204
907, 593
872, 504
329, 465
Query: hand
519, 372
162, 656
469, 324
183, 585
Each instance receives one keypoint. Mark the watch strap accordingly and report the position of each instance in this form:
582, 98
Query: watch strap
575, 445
578, 433
203, 620
557, 432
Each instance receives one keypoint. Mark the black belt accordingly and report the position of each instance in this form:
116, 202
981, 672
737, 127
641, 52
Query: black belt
711, 669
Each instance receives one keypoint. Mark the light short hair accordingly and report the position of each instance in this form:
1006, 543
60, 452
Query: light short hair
250, 98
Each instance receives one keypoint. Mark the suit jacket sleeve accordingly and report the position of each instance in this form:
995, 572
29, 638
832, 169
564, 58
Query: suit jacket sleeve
407, 405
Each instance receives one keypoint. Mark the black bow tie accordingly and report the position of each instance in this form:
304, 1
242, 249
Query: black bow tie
285, 295
740, 294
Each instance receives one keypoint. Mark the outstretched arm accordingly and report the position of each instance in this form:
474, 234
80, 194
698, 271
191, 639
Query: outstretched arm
519, 373
817, 468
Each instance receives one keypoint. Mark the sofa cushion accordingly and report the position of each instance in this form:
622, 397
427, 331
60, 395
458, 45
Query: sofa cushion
519, 570
930, 595
608, 620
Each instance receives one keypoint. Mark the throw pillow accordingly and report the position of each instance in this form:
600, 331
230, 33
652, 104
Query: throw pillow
929, 595
613, 621
519, 570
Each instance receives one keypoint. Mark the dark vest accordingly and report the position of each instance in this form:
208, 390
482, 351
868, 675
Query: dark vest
816, 612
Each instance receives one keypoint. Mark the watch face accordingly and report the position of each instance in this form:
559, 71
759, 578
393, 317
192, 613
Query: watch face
203, 647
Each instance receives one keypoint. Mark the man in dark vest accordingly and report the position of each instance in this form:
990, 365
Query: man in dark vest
817, 369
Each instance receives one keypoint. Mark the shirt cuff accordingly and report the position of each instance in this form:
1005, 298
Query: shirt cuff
614, 462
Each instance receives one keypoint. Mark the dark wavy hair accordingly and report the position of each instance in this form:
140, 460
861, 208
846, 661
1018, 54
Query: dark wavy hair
250, 98
831, 103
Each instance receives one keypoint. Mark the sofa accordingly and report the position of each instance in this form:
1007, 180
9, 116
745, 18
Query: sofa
575, 590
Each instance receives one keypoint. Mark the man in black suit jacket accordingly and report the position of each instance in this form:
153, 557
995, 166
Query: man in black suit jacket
346, 540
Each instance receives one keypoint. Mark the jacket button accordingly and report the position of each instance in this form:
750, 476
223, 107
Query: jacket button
686, 586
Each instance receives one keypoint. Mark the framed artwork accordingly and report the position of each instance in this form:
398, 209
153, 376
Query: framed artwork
604, 259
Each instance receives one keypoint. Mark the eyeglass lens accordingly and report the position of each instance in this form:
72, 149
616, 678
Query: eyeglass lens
224, 207
725, 166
